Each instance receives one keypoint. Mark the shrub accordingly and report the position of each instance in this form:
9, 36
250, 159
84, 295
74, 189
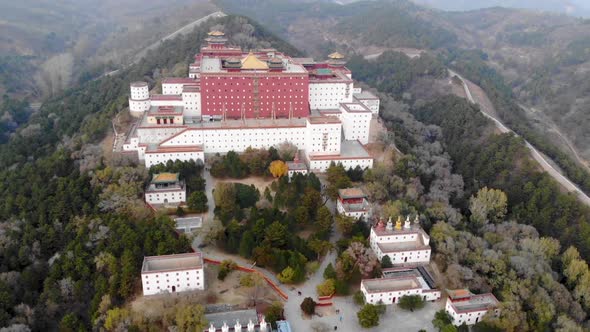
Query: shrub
368, 316
225, 268
341, 287
274, 313
380, 306
386, 262
287, 275
411, 302
246, 281
308, 306
359, 298
326, 288
312, 267
179, 211
330, 272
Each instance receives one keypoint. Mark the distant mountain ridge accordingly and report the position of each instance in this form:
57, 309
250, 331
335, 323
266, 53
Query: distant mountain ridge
577, 8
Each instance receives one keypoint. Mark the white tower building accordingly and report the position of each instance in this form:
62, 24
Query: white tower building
139, 101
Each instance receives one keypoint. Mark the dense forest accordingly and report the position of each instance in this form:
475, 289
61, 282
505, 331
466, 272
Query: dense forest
267, 234
74, 227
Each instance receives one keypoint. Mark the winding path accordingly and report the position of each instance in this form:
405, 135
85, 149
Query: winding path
556, 174
185, 29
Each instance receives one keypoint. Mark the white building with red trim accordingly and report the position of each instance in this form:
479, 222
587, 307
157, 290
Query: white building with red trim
468, 308
165, 188
172, 273
407, 244
368, 99
399, 282
296, 167
352, 202
233, 100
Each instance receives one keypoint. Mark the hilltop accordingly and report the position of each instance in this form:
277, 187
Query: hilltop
531, 59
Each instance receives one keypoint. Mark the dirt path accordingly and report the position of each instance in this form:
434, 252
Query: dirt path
487, 111
185, 29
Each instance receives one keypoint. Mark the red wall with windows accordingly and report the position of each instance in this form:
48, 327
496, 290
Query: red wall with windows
238, 90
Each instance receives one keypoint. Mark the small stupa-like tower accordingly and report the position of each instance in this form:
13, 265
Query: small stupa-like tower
336, 60
398, 223
216, 39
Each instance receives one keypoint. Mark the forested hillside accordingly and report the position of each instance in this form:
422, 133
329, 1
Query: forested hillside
518, 57
73, 226
496, 222
48, 46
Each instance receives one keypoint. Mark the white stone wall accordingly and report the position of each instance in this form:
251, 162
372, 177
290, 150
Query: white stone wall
402, 257
166, 196
132, 145
323, 138
172, 88
152, 158
167, 103
156, 134
356, 125
322, 165
329, 95
372, 105
192, 104
141, 92
139, 99
225, 140
431, 295
173, 281
399, 257
138, 107
468, 318
400, 237
354, 214
387, 297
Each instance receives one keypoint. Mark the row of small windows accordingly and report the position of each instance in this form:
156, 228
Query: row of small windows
177, 274
250, 84
250, 103
177, 280
178, 285
250, 92
260, 78
411, 237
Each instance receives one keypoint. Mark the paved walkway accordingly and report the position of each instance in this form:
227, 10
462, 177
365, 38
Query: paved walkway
394, 317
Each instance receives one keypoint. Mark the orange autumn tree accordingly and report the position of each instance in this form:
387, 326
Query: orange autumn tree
278, 168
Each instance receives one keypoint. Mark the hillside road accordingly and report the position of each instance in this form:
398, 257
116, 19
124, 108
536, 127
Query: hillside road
552, 171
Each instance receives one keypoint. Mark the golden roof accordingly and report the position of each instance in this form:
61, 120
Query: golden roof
252, 62
216, 33
165, 177
336, 55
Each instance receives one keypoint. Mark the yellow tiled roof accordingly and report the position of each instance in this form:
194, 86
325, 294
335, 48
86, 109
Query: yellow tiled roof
336, 55
165, 177
216, 33
252, 62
